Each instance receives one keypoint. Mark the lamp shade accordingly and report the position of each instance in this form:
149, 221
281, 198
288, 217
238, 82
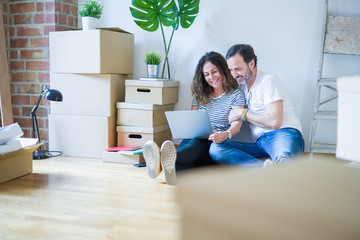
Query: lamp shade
53, 95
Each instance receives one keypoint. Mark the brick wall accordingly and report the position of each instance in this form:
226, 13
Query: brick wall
28, 24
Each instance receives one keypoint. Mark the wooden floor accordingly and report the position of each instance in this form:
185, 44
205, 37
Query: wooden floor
79, 198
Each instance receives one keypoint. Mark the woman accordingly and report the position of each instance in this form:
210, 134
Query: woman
214, 90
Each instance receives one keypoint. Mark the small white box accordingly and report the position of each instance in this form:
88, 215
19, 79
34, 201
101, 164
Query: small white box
348, 129
142, 115
138, 136
88, 94
151, 92
81, 136
94, 51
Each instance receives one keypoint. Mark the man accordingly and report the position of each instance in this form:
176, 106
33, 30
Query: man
275, 129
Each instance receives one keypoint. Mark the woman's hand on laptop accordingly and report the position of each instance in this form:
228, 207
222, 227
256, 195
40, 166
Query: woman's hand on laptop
218, 137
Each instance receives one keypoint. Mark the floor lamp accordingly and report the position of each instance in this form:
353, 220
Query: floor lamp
51, 95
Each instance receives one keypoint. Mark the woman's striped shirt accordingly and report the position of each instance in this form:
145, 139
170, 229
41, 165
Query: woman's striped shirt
220, 107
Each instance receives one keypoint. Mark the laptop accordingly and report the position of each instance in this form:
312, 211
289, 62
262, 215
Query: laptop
189, 124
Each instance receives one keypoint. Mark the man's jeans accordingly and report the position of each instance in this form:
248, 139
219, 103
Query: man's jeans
280, 145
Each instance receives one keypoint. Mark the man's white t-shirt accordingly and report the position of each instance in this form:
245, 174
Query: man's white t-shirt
268, 88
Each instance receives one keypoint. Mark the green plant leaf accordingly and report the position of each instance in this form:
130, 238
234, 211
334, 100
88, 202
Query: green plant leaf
186, 14
143, 4
175, 23
91, 9
149, 14
166, 16
152, 58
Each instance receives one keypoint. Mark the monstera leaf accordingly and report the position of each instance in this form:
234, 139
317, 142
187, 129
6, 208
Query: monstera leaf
188, 10
152, 13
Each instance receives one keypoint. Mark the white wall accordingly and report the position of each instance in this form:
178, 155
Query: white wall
285, 35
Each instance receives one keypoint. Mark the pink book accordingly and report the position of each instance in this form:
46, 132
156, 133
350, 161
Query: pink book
122, 148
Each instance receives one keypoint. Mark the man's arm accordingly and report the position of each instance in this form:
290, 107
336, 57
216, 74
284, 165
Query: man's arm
234, 129
272, 119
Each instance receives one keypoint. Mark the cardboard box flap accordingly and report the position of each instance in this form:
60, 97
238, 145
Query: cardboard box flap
114, 29
142, 129
138, 83
28, 144
143, 106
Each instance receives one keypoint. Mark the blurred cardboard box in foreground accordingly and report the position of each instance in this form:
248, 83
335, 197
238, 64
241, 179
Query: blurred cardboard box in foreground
306, 199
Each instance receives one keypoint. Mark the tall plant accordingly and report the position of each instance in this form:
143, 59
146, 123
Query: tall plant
150, 14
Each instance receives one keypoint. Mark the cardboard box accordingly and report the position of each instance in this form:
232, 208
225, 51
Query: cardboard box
151, 92
142, 115
18, 163
116, 157
305, 199
94, 51
88, 94
81, 136
138, 136
348, 128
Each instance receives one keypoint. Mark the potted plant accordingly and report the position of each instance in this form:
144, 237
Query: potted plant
150, 14
90, 11
152, 60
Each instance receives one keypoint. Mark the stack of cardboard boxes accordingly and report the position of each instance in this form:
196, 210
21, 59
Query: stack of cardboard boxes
89, 68
142, 116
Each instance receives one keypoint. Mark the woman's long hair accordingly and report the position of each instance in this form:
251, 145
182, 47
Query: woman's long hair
200, 88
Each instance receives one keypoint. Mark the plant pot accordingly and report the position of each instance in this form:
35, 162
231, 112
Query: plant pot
152, 70
89, 23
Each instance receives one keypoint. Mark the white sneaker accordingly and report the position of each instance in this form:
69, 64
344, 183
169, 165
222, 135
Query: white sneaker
267, 163
152, 158
168, 158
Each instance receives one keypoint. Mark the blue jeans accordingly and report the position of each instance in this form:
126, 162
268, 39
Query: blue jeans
193, 153
280, 145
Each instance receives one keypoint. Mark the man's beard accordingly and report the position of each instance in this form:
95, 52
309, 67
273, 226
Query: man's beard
246, 79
